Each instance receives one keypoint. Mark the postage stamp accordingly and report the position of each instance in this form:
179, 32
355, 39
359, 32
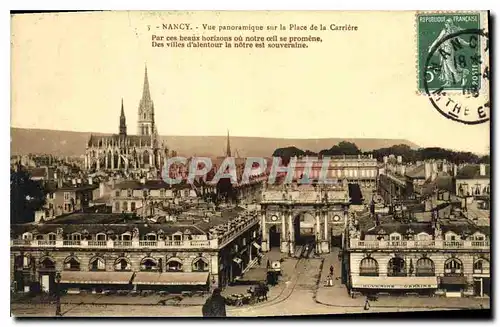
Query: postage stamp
452, 68
453, 65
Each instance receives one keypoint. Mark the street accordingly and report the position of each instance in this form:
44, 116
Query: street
298, 296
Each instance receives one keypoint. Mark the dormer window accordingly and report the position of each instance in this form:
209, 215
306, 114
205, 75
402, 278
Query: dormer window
395, 237
117, 193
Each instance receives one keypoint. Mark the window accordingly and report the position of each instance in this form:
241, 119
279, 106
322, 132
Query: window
117, 193
27, 236
453, 267
26, 261
47, 263
76, 237
150, 237
101, 237
162, 193
39, 237
478, 237
125, 206
129, 193
117, 206
396, 267
395, 237
122, 264
482, 266
71, 263
97, 264
149, 264
126, 237
425, 267
132, 206
200, 264
66, 196
174, 265
368, 267
52, 237
450, 236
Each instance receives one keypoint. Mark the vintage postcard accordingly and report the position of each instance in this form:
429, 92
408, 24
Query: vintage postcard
258, 164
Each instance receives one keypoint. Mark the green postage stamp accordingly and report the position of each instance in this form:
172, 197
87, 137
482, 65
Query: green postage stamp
449, 52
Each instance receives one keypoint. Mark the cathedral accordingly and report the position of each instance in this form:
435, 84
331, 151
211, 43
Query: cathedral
129, 153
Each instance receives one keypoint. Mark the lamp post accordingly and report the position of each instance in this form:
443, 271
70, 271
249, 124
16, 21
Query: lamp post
58, 294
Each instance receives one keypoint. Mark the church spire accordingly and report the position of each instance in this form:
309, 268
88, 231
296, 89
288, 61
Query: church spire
228, 146
123, 123
146, 96
146, 121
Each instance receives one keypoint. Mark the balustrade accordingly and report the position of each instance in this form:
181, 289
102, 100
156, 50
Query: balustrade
407, 244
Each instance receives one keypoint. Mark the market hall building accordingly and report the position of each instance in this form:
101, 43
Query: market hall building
449, 257
117, 252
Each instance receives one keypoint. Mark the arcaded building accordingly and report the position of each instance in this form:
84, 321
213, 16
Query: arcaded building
443, 256
94, 252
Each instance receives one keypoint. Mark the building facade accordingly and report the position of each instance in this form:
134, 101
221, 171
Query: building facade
96, 252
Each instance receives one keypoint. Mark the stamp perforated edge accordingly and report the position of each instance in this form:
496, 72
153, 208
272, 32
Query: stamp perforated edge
483, 24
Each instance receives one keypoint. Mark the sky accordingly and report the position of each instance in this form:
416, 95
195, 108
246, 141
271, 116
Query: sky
70, 71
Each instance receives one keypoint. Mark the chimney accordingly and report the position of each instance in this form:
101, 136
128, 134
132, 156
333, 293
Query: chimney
385, 160
79, 181
90, 180
400, 159
427, 170
73, 181
482, 170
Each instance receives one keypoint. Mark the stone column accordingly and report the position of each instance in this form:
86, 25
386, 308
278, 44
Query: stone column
318, 231
263, 228
106, 163
291, 241
87, 166
284, 232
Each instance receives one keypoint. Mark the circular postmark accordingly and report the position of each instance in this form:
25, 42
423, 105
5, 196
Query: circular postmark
456, 76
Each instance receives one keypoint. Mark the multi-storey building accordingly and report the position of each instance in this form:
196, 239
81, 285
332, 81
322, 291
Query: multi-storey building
119, 251
442, 256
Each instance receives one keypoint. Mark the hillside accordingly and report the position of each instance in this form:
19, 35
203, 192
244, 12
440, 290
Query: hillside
38, 141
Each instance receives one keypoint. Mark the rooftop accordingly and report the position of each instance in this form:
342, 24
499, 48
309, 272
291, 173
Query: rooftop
473, 172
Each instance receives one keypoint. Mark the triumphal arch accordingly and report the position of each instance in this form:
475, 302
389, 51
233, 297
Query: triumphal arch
292, 212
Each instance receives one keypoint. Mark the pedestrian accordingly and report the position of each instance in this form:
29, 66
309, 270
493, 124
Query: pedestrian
367, 304
215, 306
331, 270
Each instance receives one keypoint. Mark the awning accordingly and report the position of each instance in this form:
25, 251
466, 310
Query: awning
454, 280
171, 278
237, 260
394, 282
256, 245
95, 277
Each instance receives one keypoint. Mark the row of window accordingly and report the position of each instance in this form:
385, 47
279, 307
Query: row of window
424, 267
448, 236
120, 264
477, 189
104, 237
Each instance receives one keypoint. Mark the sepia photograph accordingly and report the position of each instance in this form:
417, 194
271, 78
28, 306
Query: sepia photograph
250, 163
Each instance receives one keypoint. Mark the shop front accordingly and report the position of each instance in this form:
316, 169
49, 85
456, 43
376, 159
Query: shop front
425, 285
95, 281
453, 286
172, 282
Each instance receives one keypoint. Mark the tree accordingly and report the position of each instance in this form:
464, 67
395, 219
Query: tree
26, 196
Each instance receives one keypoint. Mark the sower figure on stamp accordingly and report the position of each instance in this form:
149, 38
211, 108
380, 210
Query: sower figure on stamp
450, 74
215, 306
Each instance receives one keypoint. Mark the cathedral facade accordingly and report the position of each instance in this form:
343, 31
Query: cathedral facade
124, 152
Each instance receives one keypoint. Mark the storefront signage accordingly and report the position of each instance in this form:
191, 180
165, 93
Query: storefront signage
413, 286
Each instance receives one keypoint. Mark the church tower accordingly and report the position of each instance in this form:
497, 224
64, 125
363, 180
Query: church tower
123, 123
146, 121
